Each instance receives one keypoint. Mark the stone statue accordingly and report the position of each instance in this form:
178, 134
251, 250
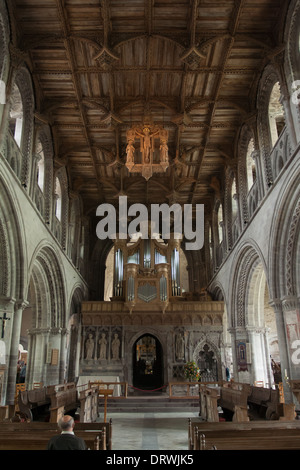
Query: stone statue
179, 347
130, 152
115, 346
89, 345
103, 343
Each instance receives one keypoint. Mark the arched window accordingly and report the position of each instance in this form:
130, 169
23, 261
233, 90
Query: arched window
276, 114
16, 115
40, 165
220, 222
58, 199
250, 163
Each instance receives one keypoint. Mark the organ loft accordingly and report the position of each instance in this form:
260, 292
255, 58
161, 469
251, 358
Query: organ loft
151, 326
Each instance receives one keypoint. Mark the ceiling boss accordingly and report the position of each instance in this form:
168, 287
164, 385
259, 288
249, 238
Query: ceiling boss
147, 149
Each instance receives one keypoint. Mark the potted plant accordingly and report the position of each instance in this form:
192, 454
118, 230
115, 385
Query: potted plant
191, 371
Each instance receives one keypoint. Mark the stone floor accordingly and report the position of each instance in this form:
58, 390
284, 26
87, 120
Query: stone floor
150, 430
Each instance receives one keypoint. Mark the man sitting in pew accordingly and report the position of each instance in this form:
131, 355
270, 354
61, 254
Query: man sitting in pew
67, 439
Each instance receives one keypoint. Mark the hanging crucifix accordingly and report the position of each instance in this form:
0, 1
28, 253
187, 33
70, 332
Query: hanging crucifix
151, 137
4, 320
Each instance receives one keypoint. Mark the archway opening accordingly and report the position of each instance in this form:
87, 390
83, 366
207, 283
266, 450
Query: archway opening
147, 363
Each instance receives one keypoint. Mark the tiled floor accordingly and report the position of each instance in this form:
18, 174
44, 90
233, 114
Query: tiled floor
150, 430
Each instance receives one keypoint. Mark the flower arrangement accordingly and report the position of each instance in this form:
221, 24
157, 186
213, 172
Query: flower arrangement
191, 371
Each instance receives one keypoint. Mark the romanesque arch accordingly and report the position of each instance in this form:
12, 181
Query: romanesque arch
292, 64
251, 316
21, 80
12, 259
12, 281
43, 197
47, 332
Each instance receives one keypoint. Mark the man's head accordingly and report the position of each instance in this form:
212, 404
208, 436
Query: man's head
66, 423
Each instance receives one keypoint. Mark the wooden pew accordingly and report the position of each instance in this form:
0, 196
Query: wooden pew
262, 435
233, 399
40, 427
264, 401
239, 401
208, 397
33, 403
56, 400
89, 405
37, 440
63, 399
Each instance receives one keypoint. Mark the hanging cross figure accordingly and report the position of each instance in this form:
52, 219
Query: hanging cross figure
4, 319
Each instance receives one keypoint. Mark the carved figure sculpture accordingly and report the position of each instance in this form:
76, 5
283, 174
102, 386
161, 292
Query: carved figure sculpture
103, 344
179, 347
115, 347
89, 345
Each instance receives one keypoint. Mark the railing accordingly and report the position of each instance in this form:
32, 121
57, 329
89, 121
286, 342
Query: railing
191, 389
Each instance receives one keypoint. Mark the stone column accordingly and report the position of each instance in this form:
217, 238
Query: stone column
37, 359
283, 346
291, 313
63, 355
261, 364
14, 351
286, 103
241, 365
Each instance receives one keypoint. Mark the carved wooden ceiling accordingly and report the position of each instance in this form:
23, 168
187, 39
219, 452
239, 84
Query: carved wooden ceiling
100, 65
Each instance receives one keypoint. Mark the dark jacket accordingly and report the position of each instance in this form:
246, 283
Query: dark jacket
66, 441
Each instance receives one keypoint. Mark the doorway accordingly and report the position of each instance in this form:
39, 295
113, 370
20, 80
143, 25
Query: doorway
147, 363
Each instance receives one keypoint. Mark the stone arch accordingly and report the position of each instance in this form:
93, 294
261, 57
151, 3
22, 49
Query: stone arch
44, 137
4, 54
231, 207
147, 370
47, 280
247, 135
291, 37
252, 317
292, 63
22, 79
269, 79
144, 331
47, 305
60, 225
12, 255
285, 266
247, 261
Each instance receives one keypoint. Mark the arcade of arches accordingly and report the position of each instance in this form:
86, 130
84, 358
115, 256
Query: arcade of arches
217, 87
